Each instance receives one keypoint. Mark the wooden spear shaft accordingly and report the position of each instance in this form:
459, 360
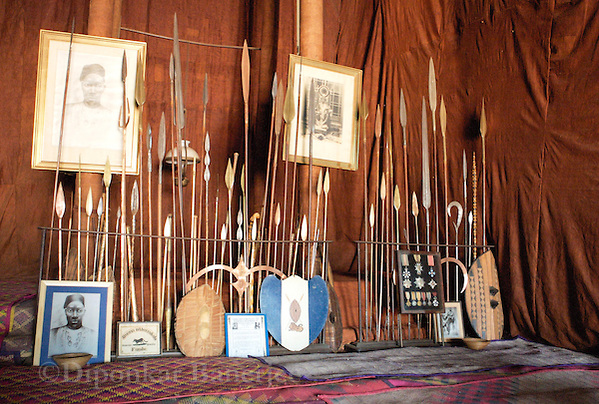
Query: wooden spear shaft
150, 227
403, 119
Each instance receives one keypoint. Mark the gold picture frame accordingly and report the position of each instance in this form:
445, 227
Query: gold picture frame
92, 130
326, 109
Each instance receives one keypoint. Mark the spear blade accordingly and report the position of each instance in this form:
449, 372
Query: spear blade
432, 90
279, 110
177, 76
107, 173
403, 116
161, 149
245, 72
378, 122
426, 181
205, 97
483, 121
135, 199
289, 108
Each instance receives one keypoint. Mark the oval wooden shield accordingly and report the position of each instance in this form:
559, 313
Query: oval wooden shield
200, 323
483, 299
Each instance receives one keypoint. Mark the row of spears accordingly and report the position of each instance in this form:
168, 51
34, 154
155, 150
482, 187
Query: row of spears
275, 237
169, 256
380, 272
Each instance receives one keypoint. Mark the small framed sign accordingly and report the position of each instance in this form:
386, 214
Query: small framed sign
138, 339
246, 334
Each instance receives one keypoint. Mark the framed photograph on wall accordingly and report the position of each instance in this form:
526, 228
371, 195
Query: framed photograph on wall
81, 94
73, 317
453, 323
325, 124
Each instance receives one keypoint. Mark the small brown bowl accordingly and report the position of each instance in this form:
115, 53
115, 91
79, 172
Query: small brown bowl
71, 361
476, 343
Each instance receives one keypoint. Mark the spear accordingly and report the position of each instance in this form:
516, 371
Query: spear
89, 210
483, 134
288, 116
193, 254
326, 186
180, 123
432, 94
403, 117
245, 82
269, 159
124, 121
116, 240
363, 116
474, 205
140, 99
456, 225
161, 149
168, 309
99, 211
131, 246
426, 181
319, 185
469, 241
132, 294
60, 209
383, 196
277, 223
207, 181
304, 236
465, 180
79, 222
107, 178
396, 206
223, 237
150, 228
278, 124
60, 137
370, 297
443, 120
415, 214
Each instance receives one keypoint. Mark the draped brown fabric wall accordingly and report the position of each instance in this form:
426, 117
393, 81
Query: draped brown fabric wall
534, 62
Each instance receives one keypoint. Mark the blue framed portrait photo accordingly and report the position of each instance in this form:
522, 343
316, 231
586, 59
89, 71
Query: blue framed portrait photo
73, 317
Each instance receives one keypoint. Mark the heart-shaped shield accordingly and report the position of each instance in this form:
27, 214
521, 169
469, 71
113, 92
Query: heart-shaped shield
296, 309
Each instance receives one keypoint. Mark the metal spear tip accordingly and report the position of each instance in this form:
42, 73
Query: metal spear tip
168, 225
124, 68
107, 173
100, 208
396, 198
89, 203
60, 201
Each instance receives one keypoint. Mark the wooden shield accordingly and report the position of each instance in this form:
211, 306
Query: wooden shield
483, 299
200, 323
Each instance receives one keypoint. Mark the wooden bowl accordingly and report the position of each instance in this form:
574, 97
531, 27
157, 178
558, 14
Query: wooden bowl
71, 361
476, 343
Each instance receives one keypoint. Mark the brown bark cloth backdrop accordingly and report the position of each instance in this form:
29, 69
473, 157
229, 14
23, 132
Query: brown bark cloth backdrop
534, 62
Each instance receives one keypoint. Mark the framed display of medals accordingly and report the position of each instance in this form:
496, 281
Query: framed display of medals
421, 283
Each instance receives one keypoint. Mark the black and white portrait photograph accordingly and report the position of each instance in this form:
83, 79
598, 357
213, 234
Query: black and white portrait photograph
80, 98
74, 317
453, 326
324, 128
74, 323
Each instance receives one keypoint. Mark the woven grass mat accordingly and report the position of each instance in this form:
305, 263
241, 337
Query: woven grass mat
427, 360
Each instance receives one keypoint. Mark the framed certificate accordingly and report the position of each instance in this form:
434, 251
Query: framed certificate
246, 334
138, 339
